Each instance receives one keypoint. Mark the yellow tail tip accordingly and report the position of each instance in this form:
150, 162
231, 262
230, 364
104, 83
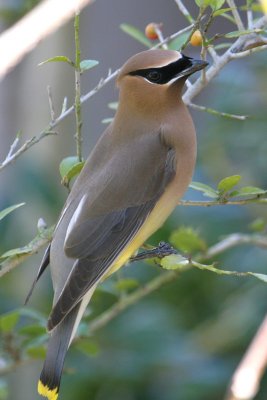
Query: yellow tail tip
44, 390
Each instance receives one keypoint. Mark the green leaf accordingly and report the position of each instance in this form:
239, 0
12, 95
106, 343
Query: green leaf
176, 43
8, 321
258, 225
214, 4
222, 46
88, 347
136, 34
254, 7
33, 330
211, 268
57, 59
173, 261
250, 190
228, 183
88, 64
203, 3
236, 34
126, 284
36, 352
8, 210
16, 252
187, 240
222, 11
29, 248
207, 190
69, 168
66, 165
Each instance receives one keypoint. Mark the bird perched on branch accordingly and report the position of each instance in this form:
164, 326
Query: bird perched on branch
131, 182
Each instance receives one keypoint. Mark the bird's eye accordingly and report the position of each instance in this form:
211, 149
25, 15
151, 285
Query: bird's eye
154, 76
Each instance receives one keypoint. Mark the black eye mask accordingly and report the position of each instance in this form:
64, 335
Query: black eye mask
162, 75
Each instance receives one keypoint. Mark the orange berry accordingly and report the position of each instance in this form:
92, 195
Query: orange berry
150, 31
196, 38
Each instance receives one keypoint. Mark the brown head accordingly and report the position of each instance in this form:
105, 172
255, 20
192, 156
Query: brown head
152, 78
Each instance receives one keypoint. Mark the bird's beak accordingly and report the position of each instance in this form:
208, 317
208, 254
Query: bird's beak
196, 65
192, 65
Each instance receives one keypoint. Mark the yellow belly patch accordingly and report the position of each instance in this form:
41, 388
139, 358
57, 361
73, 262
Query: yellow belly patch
156, 218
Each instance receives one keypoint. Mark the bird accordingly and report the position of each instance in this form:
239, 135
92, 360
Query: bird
131, 182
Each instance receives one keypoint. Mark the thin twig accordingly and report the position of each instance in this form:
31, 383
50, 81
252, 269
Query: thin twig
233, 52
51, 104
250, 18
13, 146
219, 113
173, 36
248, 52
27, 145
160, 36
78, 134
195, 27
210, 203
44, 19
236, 15
236, 239
32, 248
184, 11
213, 54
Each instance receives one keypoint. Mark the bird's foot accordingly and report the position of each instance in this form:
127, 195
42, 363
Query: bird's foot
162, 250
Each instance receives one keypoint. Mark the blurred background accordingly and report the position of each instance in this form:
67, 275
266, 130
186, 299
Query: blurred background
184, 341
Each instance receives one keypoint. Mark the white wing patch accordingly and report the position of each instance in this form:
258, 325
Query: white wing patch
75, 217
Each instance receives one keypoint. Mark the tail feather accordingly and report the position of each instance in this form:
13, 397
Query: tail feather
59, 342
49, 383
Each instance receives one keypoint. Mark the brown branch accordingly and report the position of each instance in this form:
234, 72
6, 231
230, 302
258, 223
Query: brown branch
22, 37
236, 239
246, 379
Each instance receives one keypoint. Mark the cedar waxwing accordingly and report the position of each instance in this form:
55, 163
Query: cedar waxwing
131, 182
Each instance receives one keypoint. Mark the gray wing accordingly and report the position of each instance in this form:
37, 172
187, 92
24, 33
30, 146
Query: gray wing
95, 241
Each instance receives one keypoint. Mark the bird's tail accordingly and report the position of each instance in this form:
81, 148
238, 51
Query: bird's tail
59, 342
